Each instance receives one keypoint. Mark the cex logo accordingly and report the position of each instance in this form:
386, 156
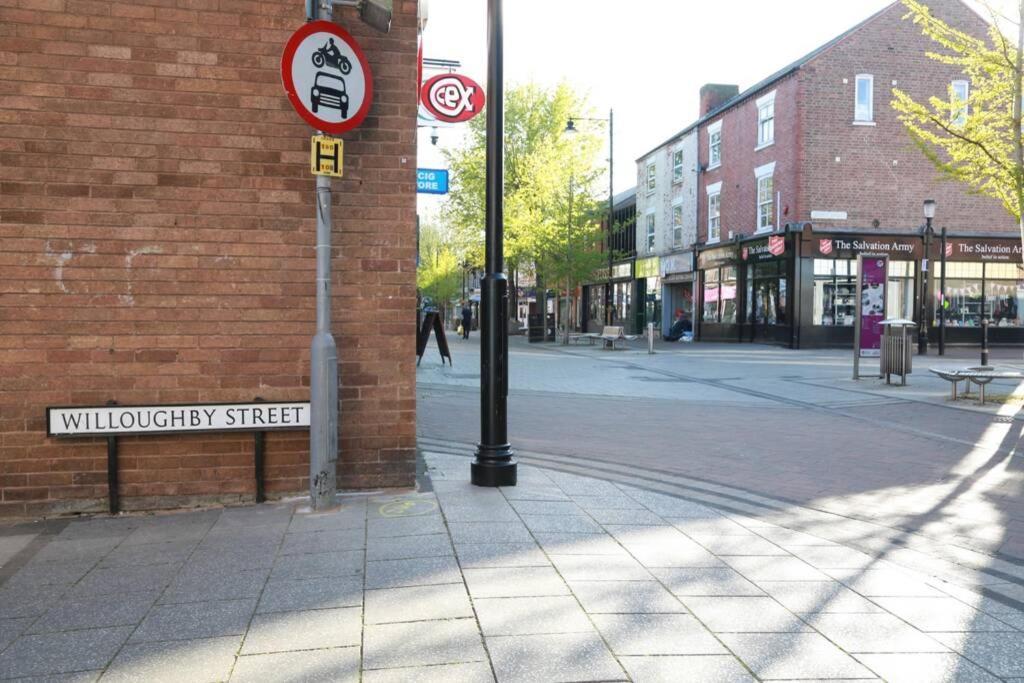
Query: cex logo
452, 97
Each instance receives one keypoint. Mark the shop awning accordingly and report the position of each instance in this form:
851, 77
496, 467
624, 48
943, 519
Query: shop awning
677, 278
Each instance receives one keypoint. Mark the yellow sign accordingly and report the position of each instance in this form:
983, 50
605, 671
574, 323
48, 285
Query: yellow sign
646, 267
325, 156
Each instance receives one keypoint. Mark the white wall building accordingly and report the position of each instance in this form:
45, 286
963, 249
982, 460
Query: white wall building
666, 228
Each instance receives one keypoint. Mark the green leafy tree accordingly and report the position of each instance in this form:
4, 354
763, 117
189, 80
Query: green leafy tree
540, 162
440, 273
977, 141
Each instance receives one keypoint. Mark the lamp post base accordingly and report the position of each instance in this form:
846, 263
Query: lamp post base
493, 466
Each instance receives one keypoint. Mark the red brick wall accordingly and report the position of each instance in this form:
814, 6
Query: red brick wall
739, 159
156, 246
880, 173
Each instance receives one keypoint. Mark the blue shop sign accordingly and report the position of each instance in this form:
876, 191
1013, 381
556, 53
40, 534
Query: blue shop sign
431, 181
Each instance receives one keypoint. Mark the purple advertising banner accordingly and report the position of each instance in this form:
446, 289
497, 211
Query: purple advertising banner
873, 279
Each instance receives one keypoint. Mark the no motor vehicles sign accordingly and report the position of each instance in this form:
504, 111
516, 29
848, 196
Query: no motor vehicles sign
327, 77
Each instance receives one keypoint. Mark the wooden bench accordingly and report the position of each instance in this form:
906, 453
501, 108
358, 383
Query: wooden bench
981, 376
612, 334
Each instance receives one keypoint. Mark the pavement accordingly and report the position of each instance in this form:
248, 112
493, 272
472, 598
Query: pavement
561, 578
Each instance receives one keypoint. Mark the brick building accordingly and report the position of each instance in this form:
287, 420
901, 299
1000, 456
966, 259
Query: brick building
804, 170
157, 241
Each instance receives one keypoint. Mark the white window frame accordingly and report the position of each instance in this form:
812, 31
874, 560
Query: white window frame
677, 168
765, 114
714, 192
959, 118
652, 228
715, 160
870, 120
652, 177
761, 203
677, 222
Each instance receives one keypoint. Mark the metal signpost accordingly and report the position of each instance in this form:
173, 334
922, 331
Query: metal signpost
329, 83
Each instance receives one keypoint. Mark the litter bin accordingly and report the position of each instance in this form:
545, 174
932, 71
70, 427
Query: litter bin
897, 343
535, 327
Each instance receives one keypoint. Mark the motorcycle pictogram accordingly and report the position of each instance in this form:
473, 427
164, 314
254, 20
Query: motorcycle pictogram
330, 54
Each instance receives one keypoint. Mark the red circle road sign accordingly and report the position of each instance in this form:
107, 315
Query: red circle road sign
327, 77
452, 97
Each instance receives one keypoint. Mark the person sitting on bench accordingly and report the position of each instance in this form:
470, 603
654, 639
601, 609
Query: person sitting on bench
680, 326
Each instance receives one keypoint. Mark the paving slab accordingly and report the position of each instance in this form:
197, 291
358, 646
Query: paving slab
1000, 653
202, 586
489, 532
478, 555
98, 612
781, 656
544, 507
145, 555
941, 614
656, 634
744, 615
625, 597
941, 667
619, 501
12, 628
884, 583
196, 661
43, 574
675, 553
523, 582
705, 581
282, 596
405, 526
531, 616
421, 643
420, 571
873, 633
192, 621
579, 544
308, 666
346, 517
119, 580
686, 669
76, 549
470, 672
564, 524
53, 653
818, 596
417, 603
553, 657
329, 541
309, 630
32, 602
599, 568
739, 545
774, 569
408, 547
318, 565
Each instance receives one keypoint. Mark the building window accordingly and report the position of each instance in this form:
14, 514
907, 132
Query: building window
650, 232
677, 166
864, 106
714, 218
765, 196
652, 173
677, 225
958, 103
766, 120
715, 144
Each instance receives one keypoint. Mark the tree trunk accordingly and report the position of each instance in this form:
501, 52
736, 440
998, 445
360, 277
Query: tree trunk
1018, 147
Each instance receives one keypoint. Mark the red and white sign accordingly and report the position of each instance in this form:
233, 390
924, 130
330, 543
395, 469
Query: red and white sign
776, 245
825, 246
949, 249
452, 97
327, 77
744, 253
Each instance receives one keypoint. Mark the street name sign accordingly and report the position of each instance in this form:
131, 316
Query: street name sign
431, 181
203, 417
327, 77
326, 156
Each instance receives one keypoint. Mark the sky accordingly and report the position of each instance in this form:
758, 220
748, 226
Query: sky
646, 59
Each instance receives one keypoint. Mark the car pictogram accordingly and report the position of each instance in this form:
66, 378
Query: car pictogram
329, 91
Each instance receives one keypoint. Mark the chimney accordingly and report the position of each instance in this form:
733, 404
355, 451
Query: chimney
712, 95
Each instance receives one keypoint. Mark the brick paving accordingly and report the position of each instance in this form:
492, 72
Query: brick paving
563, 577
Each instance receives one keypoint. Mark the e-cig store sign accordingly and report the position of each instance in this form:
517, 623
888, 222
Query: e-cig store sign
211, 417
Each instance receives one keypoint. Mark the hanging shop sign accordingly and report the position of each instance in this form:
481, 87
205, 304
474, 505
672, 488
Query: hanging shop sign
203, 417
850, 246
327, 77
431, 181
983, 249
764, 250
452, 98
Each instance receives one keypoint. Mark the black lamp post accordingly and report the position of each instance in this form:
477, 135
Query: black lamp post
570, 128
494, 464
922, 331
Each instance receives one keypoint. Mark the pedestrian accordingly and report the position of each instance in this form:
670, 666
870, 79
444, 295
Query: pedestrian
679, 327
467, 319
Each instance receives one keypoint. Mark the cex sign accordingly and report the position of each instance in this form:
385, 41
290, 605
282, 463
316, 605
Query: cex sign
452, 98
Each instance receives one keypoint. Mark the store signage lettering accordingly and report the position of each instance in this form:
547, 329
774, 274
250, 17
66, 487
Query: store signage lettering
622, 270
107, 420
865, 245
677, 263
983, 250
716, 257
773, 247
432, 181
647, 267
848, 246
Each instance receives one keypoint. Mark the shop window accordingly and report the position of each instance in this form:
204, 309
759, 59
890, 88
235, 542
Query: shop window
864, 104
727, 293
677, 166
900, 294
711, 291
835, 292
975, 291
766, 293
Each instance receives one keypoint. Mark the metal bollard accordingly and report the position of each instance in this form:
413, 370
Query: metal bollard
984, 342
650, 338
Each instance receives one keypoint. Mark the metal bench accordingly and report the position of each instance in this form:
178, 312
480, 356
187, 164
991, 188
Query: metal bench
613, 334
981, 375
585, 337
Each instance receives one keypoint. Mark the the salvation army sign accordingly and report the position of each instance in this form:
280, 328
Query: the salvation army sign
327, 77
452, 98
